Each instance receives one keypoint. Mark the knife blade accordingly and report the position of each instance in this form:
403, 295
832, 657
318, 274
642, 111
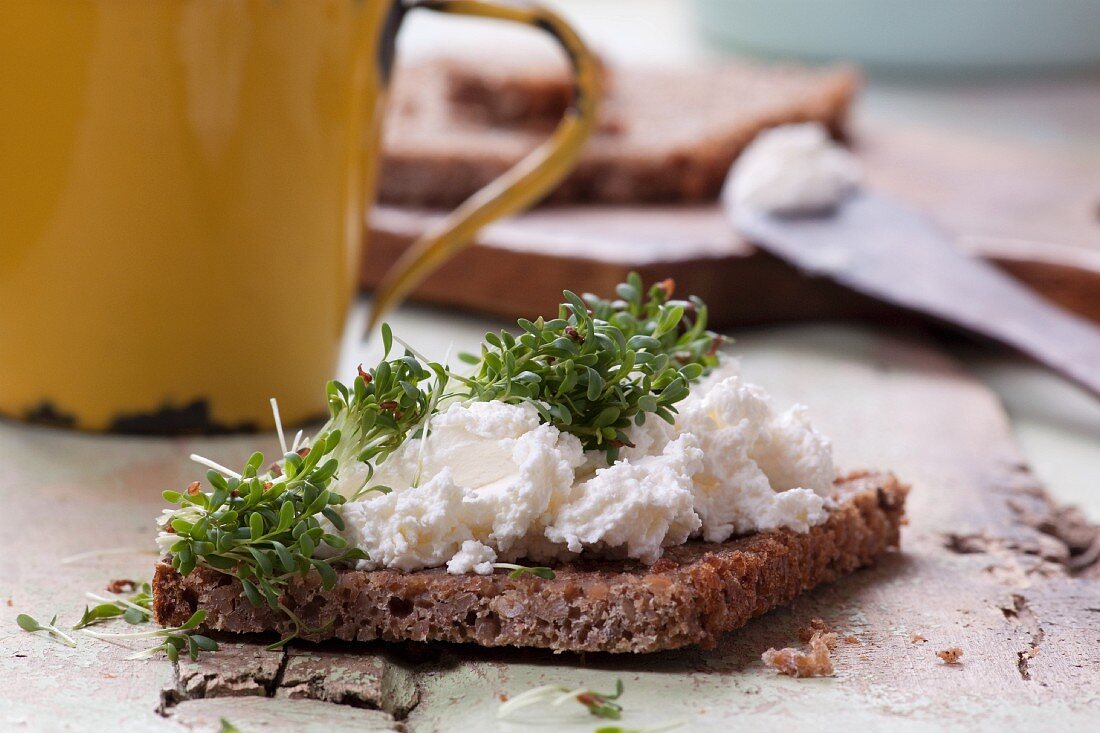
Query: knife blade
887, 250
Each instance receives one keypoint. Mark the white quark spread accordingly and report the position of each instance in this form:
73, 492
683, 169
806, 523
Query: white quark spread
493, 483
472, 557
793, 169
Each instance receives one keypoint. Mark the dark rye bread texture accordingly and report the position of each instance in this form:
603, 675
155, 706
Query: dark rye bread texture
527, 90
666, 135
690, 596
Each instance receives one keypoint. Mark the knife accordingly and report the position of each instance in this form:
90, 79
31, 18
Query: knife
889, 251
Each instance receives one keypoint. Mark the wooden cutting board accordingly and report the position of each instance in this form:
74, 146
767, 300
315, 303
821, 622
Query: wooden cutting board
1034, 212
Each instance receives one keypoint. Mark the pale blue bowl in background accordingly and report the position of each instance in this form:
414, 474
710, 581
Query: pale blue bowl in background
913, 36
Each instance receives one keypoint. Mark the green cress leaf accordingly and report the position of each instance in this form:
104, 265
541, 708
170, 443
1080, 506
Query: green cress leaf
27, 623
600, 705
256, 526
264, 527
31, 625
518, 571
602, 365
133, 616
97, 613
174, 639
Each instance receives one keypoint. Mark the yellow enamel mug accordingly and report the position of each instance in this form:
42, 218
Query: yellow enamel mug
183, 186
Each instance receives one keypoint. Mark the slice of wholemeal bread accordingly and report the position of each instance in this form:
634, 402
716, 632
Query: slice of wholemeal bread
690, 596
665, 135
526, 90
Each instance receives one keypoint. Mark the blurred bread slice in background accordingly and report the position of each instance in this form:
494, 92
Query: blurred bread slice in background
667, 135
529, 92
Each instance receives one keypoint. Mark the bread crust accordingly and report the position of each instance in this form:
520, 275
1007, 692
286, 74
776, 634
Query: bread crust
694, 593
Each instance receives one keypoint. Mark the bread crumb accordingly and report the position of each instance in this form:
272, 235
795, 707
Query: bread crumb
950, 655
816, 626
851, 639
917, 639
796, 663
1032, 652
122, 585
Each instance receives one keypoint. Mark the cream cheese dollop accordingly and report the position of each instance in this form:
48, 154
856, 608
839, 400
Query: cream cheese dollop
492, 482
792, 169
634, 506
489, 471
472, 557
761, 470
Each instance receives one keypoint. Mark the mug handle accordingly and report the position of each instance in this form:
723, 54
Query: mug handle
522, 185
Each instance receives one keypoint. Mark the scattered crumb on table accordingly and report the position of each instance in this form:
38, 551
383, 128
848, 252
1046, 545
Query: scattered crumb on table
122, 585
816, 626
851, 639
917, 639
951, 655
797, 663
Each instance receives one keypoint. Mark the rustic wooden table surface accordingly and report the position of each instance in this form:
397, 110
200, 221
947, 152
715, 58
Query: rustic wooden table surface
983, 565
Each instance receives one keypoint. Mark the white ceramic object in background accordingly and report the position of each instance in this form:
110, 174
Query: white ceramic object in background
921, 36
